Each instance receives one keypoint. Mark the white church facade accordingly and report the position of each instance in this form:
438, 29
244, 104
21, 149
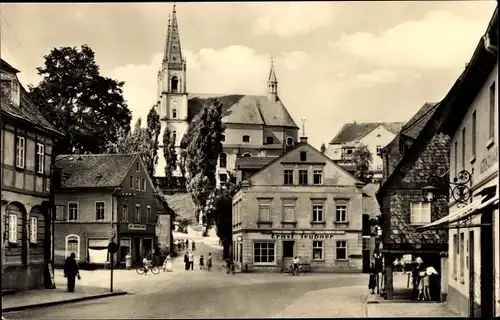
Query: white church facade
256, 126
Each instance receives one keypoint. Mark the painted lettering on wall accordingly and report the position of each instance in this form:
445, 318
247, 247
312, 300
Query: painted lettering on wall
305, 235
135, 226
489, 160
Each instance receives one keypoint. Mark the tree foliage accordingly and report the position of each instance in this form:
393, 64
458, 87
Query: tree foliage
202, 143
362, 158
170, 156
153, 130
135, 141
80, 102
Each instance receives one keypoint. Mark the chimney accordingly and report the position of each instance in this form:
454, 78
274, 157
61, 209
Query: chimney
303, 140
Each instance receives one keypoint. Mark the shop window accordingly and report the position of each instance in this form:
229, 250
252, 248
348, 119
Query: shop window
99, 211
124, 249
72, 246
462, 255
303, 177
33, 230
341, 250
317, 213
72, 211
288, 177
420, 213
125, 213
264, 253
318, 177
341, 213
288, 249
456, 252
317, 250
40, 157
264, 211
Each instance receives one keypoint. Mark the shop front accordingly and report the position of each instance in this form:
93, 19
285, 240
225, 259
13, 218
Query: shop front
319, 251
138, 241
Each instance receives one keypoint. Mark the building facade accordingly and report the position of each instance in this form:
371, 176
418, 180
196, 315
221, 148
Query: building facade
255, 125
374, 135
104, 197
27, 140
301, 204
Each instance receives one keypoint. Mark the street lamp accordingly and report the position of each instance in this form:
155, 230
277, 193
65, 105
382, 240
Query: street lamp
438, 186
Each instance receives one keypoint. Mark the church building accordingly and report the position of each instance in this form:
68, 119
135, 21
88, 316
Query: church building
256, 126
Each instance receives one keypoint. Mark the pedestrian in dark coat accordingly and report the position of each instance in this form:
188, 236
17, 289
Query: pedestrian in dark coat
372, 283
71, 271
193, 246
186, 261
187, 243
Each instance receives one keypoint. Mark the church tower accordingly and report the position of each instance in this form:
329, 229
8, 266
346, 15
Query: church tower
173, 98
272, 84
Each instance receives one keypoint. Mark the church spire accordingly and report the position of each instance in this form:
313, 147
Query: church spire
173, 53
272, 84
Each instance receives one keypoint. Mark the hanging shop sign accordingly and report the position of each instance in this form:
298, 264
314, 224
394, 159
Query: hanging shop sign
306, 235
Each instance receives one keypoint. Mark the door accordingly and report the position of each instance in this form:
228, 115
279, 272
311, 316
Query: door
288, 253
470, 262
137, 251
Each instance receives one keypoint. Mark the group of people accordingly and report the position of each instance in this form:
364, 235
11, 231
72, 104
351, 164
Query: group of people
189, 261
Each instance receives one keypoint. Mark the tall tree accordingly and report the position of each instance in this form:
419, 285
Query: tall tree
362, 158
182, 166
323, 148
153, 133
135, 141
203, 146
80, 102
170, 156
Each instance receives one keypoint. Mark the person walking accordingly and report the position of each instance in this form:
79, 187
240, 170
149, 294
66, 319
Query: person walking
193, 246
186, 261
167, 265
191, 260
202, 262
187, 244
71, 271
372, 282
209, 261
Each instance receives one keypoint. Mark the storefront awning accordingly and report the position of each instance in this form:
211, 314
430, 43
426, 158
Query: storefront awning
454, 217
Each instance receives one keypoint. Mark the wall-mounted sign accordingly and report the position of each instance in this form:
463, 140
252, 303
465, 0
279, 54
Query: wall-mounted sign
136, 226
306, 235
489, 160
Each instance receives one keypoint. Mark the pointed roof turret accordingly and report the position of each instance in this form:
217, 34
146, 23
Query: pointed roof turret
173, 53
272, 75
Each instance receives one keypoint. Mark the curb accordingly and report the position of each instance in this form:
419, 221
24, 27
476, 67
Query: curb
399, 301
53, 303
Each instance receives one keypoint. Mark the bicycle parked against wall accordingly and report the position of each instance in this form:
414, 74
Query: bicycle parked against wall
142, 270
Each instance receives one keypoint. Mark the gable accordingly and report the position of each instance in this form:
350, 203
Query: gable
333, 174
142, 174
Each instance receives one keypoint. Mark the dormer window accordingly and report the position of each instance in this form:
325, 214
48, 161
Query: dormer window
246, 138
11, 91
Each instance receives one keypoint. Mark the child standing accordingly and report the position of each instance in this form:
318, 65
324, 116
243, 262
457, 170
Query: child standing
202, 261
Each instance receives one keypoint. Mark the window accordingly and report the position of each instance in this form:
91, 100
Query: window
223, 160
263, 253
13, 228
379, 167
455, 255
463, 148
379, 149
131, 182
174, 113
137, 213
40, 157
246, 138
341, 213
269, 140
148, 214
143, 184
72, 211
289, 141
288, 177
138, 184
379, 135
125, 213
99, 210
6, 89
317, 250
288, 212
303, 156
20, 152
174, 84
341, 250
318, 177
137, 167
317, 213
174, 136
72, 246
474, 133
303, 177
223, 177
288, 249
492, 111
420, 213
264, 212
247, 155
462, 255
33, 229
223, 138
455, 155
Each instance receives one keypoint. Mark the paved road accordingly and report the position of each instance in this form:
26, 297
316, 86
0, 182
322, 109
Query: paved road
193, 294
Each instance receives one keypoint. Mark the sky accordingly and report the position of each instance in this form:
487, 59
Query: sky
336, 62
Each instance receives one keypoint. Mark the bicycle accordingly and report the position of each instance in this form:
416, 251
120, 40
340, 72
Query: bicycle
154, 270
291, 271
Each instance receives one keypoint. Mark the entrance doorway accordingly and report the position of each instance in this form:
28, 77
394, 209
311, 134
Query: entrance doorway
137, 250
487, 265
148, 248
288, 253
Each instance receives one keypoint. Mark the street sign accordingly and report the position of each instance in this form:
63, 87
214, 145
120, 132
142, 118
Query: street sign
113, 247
